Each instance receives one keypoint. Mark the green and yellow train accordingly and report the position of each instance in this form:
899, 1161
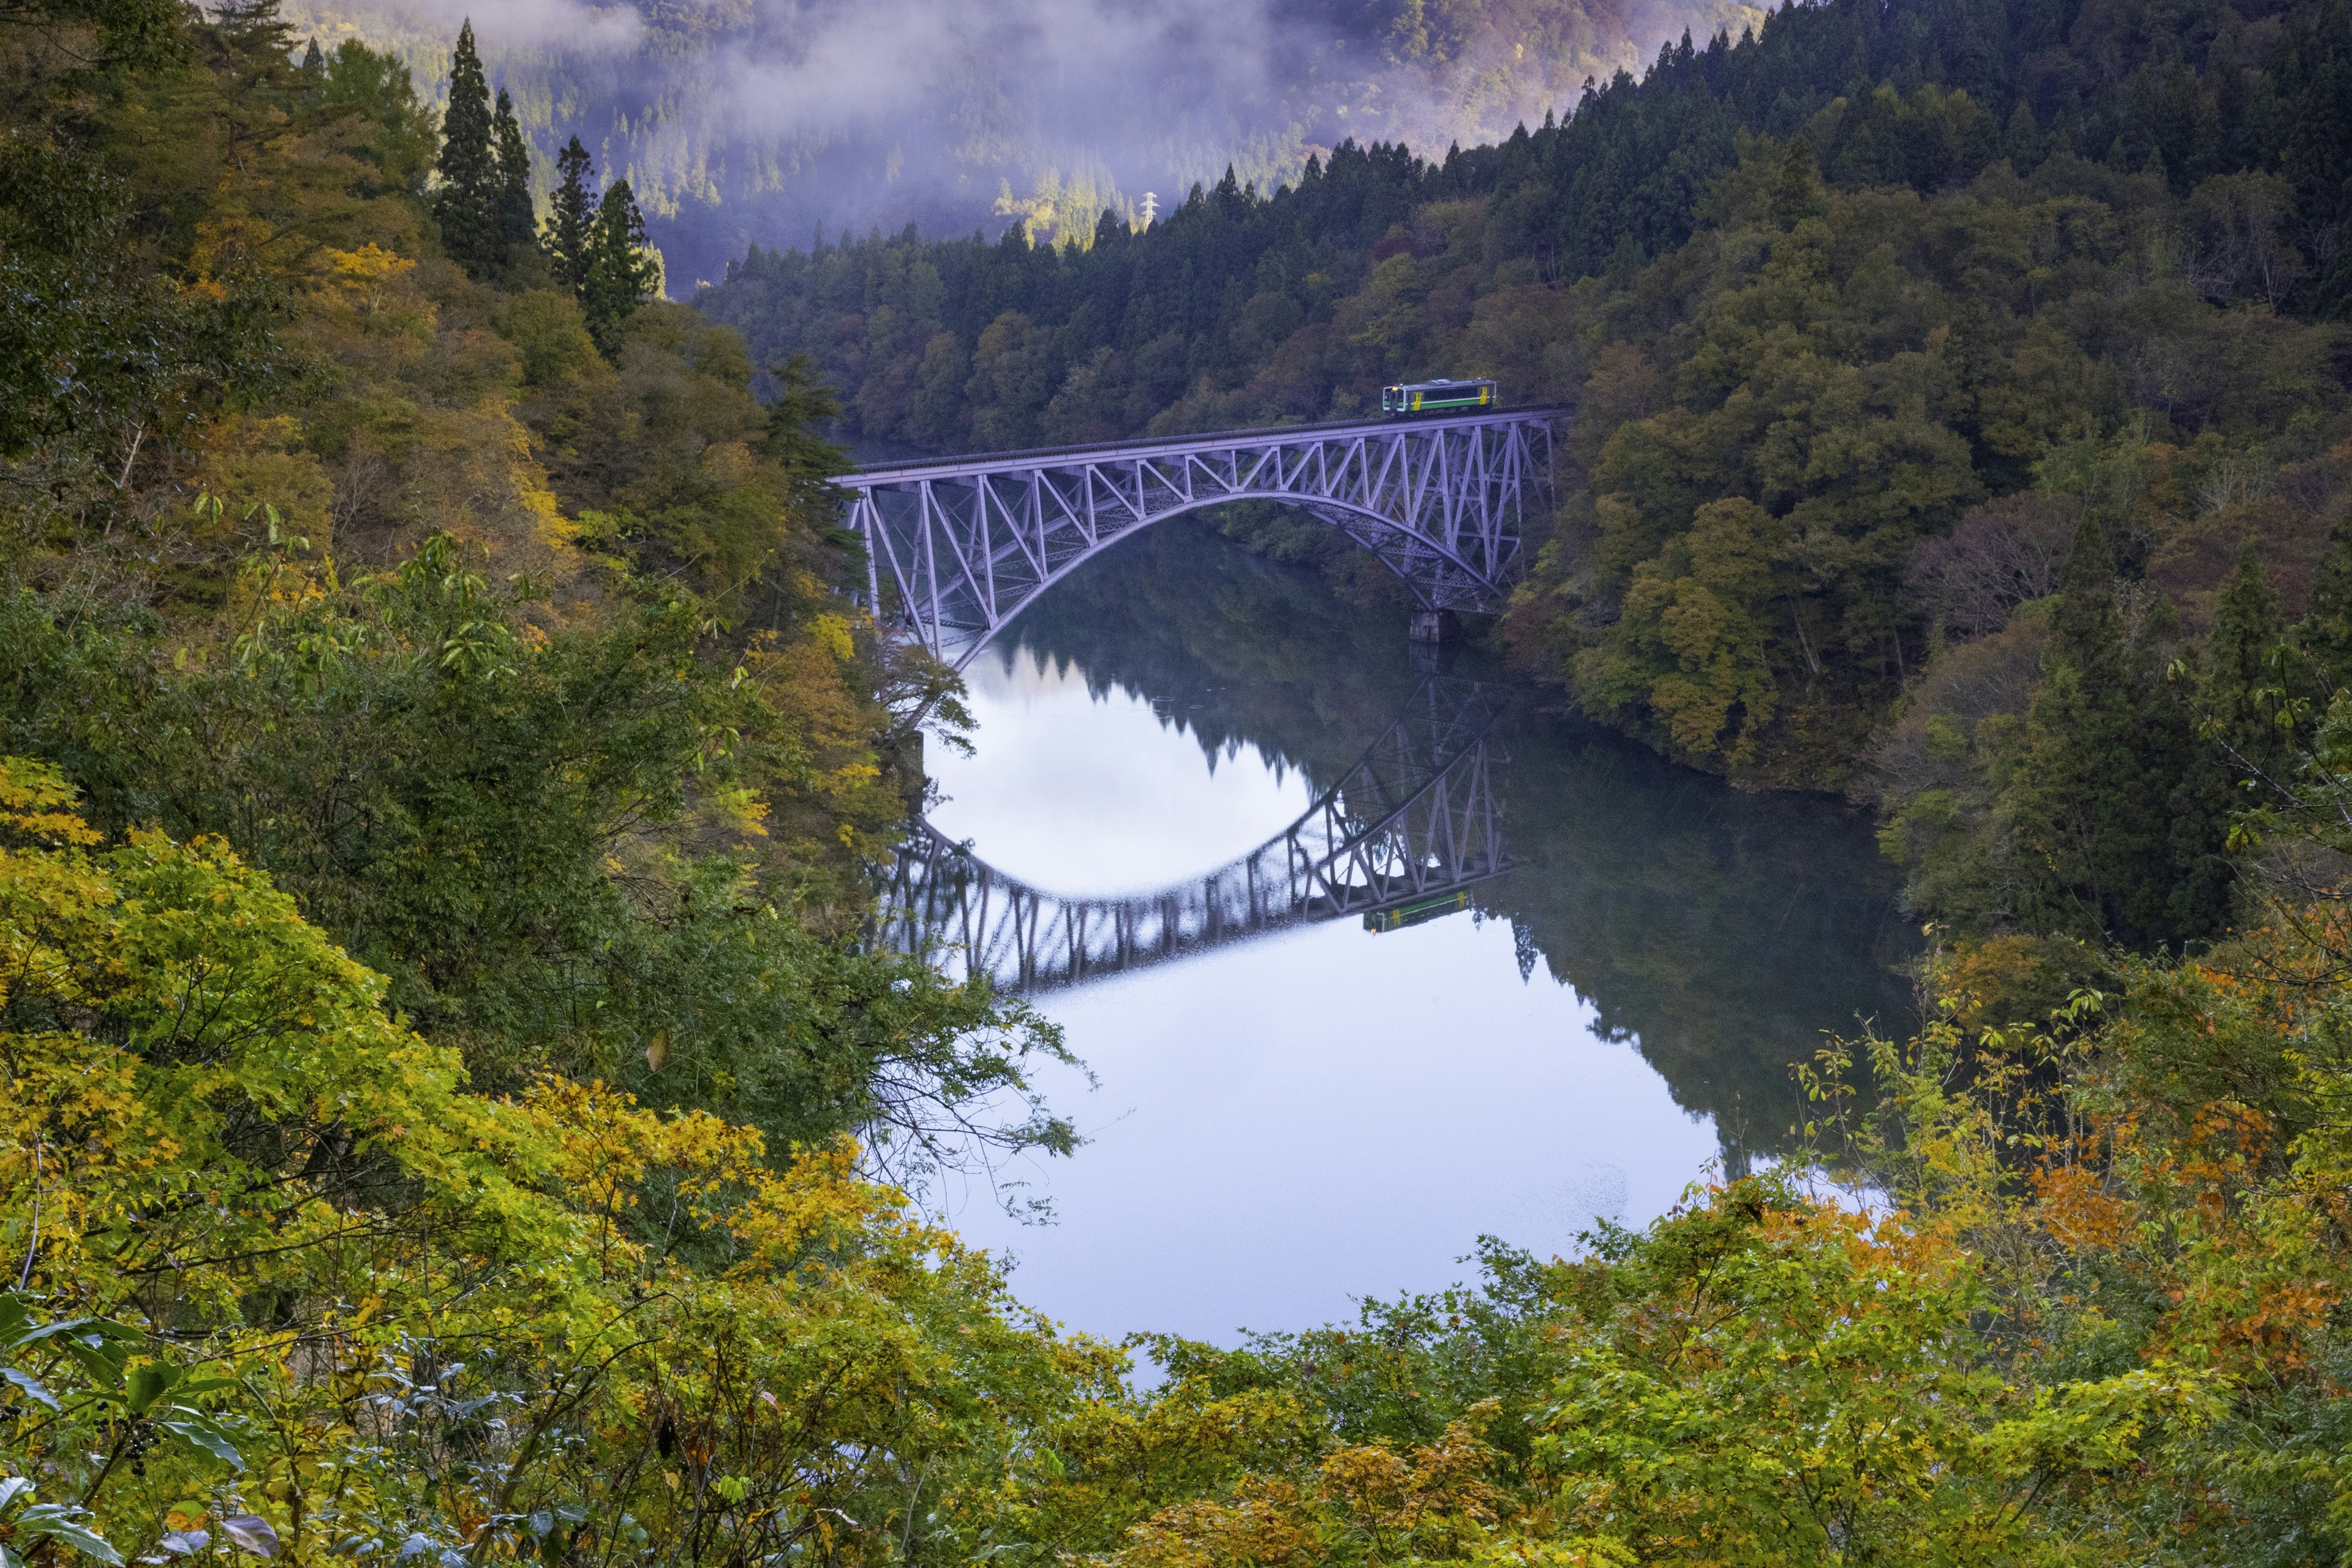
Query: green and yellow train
1396, 917
1438, 396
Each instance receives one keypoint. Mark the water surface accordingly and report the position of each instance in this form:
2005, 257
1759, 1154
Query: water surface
1288, 1119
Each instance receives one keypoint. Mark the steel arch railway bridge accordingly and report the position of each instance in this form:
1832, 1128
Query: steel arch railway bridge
956, 548
1414, 818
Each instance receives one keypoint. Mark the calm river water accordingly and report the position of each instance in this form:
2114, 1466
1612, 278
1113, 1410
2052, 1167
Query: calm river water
1286, 1122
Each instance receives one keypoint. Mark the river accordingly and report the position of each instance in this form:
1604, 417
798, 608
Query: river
1289, 1119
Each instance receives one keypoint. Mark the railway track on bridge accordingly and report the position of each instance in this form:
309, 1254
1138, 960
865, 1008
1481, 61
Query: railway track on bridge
957, 547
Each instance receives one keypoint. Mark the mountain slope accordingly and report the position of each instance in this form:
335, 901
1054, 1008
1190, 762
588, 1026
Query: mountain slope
760, 122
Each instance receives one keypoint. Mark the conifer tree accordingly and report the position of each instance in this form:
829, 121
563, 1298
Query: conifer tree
2095, 795
570, 220
252, 48
2241, 696
2324, 635
517, 222
467, 201
1796, 195
252, 28
620, 273
314, 64
794, 439
2238, 743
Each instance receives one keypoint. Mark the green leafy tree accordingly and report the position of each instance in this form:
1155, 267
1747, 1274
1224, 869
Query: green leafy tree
102, 359
372, 90
469, 202
451, 807
240, 1108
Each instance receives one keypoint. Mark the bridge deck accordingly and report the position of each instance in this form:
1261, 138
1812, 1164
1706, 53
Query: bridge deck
956, 547
975, 463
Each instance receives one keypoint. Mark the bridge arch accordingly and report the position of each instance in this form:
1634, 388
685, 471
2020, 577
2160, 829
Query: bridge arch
1387, 542
1415, 818
957, 548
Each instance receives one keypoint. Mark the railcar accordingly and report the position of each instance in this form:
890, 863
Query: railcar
1438, 396
1396, 917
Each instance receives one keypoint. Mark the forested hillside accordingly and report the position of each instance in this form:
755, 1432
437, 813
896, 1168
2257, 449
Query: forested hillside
766, 122
489, 616
1859, 317
445, 1105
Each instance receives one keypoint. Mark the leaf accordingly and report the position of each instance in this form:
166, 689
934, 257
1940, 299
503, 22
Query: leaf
11, 1488
149, 1382
60, 1523
95, 1327
103, 1362
185, 1542
14, 1318
252, 1532
32, 1386
201, 1431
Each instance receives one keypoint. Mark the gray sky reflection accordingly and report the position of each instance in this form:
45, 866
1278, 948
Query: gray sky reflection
1085, 795
1284, 1125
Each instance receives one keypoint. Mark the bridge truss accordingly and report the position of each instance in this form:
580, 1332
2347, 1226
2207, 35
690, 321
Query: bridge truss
1414, 817
956, 549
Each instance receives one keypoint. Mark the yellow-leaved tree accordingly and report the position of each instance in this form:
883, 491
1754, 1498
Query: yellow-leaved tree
276, 1281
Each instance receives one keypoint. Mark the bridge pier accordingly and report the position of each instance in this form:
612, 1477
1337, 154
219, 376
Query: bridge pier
1435, 628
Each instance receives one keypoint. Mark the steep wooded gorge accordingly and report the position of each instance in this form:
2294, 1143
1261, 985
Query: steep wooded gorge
452, 1109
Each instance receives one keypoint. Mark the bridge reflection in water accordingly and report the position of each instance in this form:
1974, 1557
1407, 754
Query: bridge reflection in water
1413, 821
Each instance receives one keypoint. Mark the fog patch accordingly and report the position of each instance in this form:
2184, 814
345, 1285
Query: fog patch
743, 121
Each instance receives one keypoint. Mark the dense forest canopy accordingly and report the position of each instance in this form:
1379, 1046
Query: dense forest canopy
490, 614
447, 1112
763, 121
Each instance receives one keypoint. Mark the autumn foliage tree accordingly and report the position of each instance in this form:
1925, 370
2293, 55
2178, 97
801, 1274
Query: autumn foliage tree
442, 1077
284, 1282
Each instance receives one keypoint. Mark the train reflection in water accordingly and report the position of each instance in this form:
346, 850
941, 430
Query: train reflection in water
1418, 911
1398, 838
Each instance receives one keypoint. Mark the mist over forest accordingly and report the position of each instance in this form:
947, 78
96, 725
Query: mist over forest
455, 1108
743, 121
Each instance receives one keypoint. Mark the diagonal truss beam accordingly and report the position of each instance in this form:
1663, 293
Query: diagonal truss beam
1416, 816
957, 548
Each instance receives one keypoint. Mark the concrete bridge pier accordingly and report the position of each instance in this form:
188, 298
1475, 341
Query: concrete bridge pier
1435, 628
